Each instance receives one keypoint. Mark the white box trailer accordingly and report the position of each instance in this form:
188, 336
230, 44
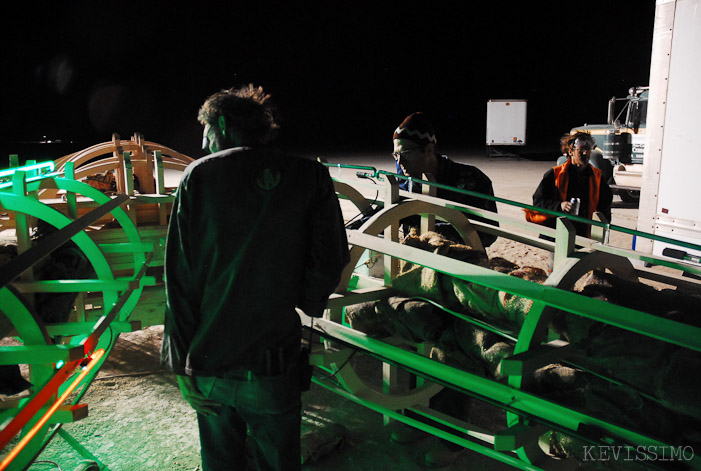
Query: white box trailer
670, 199
506, 125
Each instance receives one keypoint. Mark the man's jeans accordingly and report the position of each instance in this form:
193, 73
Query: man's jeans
271, 408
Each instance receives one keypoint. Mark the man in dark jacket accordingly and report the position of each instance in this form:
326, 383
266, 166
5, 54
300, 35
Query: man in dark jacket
415, 153
254, 233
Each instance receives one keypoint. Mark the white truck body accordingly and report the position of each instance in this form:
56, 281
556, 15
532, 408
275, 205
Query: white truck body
670, 203
506, 122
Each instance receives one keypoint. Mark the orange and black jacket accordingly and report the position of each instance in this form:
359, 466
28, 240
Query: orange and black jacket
562, 183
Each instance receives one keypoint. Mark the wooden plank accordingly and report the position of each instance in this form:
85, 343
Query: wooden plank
69, 328
428, 221
69, 414
38, 354
126, 247
117, 234
150, 308
73, 286
564, 236
22, 232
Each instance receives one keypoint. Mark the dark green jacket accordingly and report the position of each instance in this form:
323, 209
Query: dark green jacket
253, 233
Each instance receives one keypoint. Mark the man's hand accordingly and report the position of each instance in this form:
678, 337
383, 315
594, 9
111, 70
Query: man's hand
195, 398
566, 206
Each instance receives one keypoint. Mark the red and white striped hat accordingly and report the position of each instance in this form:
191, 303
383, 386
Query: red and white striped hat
416, 127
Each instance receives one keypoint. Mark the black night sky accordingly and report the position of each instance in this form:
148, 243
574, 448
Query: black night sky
343, 73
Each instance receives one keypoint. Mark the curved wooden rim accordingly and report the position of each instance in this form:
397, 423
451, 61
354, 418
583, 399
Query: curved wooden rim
393, 214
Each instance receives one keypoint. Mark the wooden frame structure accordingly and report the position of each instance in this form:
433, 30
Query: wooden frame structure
62, 357
121, 234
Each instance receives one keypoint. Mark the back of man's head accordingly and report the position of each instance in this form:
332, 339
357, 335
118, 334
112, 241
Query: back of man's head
247, 110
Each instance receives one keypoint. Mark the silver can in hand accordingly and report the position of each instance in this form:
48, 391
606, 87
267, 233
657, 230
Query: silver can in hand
575, 206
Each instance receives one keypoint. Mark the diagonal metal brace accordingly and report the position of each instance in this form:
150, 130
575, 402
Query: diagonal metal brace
55, 240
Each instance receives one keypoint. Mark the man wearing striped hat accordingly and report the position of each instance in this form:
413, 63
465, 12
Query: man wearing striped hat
415, 154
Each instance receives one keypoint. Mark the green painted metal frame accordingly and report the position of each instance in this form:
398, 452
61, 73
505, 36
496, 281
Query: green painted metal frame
573, 255
119, 298
372, 172
525, 404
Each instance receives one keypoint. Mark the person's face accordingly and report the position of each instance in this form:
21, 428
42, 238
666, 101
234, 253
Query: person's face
581, 153
410, 156
211, 139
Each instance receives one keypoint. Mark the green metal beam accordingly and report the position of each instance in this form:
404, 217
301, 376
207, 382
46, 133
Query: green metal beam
54, 240
125, 222
549, 413
470, 445
84, 328
74, 286
36, 354
607, 226
126, 247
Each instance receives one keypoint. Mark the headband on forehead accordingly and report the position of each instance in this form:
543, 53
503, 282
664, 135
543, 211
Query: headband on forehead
584, 140
417, 128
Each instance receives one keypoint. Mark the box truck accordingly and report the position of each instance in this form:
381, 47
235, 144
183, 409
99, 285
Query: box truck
506, 126
670, 204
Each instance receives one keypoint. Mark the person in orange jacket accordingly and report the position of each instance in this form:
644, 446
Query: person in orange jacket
576, 178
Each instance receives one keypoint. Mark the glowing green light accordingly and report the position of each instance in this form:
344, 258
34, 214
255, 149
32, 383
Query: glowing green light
34, 172
59, 364
28, 168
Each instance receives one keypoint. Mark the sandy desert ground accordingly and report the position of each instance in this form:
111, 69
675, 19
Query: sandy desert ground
138, 420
